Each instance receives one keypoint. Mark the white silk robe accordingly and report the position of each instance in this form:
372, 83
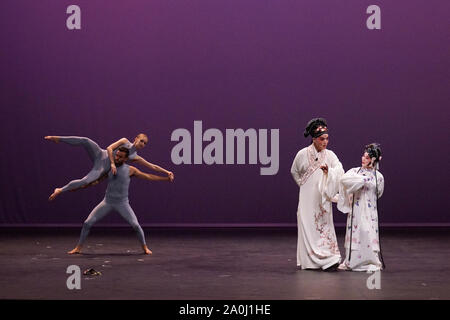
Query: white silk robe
317, 245
359, 183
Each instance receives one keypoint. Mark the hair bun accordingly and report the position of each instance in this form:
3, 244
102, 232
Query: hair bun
373, 150
313, 124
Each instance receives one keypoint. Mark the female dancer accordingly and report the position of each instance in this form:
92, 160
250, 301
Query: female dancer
103, 159
359, 191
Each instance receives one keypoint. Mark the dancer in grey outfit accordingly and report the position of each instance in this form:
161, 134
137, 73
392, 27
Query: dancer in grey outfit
103, 159
116, 198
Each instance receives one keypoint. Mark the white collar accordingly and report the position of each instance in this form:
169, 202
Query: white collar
315, 152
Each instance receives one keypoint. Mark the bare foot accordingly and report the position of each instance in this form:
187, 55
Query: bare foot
55, 194
74, 251
147, 250
52, 138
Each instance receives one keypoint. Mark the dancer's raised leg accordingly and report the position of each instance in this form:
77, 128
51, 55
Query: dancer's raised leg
52, 138
91, 147
96, 154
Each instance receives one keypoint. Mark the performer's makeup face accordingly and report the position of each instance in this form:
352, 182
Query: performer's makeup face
120, 158
365, 160
321, 142
140, 142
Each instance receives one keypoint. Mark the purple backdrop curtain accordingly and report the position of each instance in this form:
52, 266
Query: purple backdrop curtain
155, 66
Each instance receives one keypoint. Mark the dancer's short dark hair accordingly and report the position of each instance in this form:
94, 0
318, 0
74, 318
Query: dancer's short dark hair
316, 127
125, 150
373, 150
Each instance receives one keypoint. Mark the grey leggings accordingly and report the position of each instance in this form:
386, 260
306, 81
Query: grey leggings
97, 155
102, 209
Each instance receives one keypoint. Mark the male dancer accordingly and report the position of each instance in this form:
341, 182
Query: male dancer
116, 198
317, 247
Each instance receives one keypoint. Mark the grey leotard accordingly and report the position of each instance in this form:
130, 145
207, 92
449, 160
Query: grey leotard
97, 155
116, 198
131, 149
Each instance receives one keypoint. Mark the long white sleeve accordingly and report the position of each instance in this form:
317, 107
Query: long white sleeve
380, 181
350, 182
329, 185
296, 168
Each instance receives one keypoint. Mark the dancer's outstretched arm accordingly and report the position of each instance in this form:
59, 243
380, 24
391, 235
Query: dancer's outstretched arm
147, 176
111, 148
152, 166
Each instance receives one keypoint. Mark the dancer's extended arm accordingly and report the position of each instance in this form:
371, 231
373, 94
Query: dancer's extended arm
147, 176
151, 166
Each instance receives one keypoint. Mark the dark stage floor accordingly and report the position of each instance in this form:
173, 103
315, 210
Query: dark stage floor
219, 264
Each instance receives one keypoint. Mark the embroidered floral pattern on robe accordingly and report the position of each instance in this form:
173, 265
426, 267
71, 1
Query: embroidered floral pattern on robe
316, 244
363, 232
327, 236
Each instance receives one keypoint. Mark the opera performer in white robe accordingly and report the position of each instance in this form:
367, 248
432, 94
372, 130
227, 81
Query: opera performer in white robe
317, 172
359, 191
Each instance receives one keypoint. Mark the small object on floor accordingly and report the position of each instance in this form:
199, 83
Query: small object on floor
92, 272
